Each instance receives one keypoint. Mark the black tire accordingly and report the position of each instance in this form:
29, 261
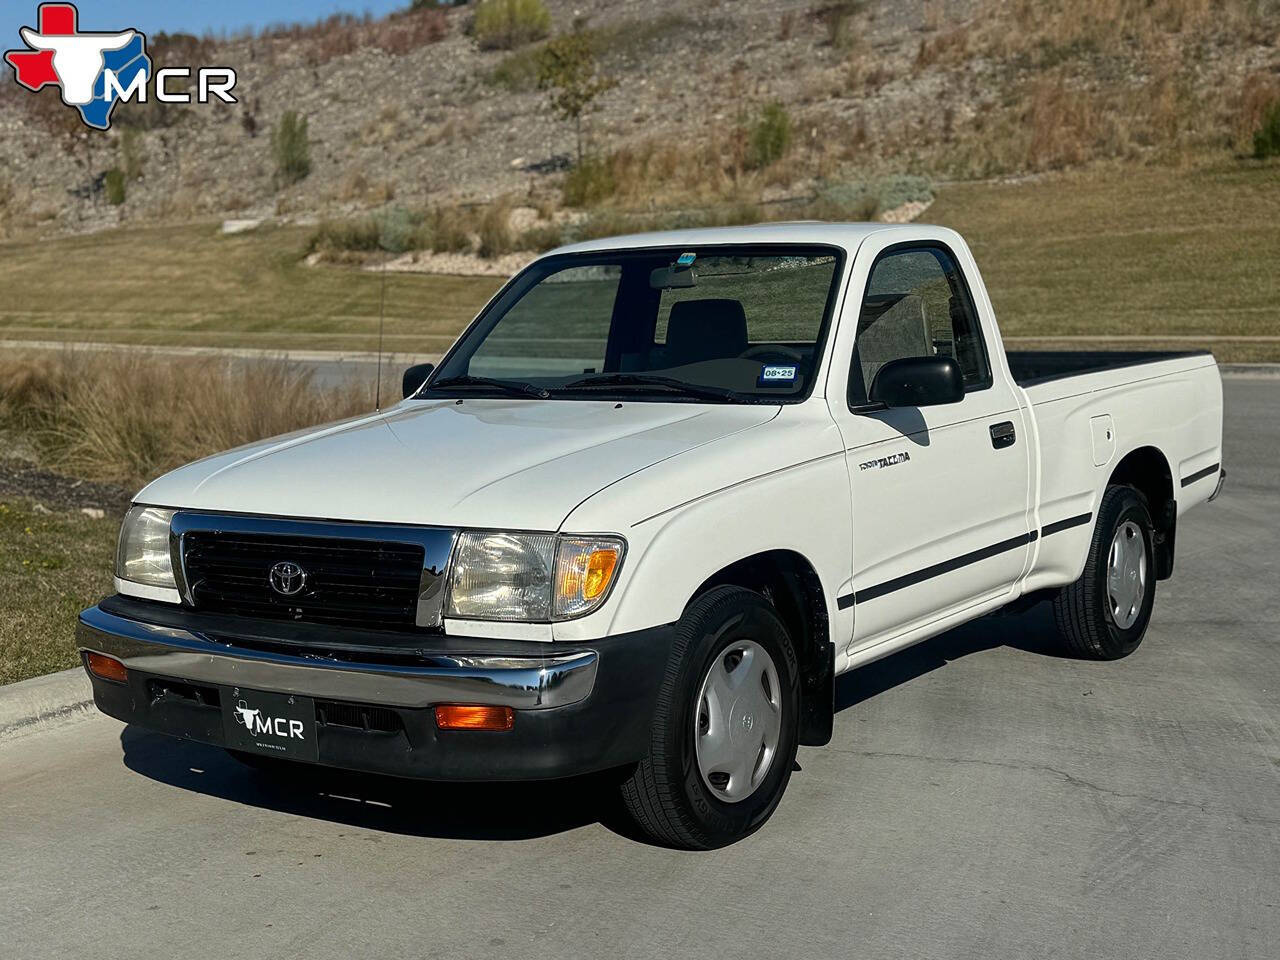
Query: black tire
1082, 610
665, 795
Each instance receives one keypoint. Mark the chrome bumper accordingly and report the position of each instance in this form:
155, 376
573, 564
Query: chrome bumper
523, 683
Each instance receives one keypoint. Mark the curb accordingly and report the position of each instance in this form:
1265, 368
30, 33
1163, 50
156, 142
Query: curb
389, 357
1250, 371
30, 702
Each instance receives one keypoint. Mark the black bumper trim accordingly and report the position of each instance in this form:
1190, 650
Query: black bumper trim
1201, 474
609, 728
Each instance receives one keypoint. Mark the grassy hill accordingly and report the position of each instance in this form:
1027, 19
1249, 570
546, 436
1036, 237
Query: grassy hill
1118, 252
1096, 152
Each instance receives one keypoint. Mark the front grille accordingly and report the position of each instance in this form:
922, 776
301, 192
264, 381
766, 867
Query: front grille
366, 583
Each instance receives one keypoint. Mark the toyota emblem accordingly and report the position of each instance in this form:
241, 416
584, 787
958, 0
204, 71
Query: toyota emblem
287, 579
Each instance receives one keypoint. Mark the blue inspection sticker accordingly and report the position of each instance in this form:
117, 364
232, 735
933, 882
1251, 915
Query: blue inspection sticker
774, 375
686, 259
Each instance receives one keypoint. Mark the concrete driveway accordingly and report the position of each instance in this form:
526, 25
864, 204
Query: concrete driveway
983, 797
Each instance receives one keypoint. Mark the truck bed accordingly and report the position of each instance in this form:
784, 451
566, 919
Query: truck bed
1040, 366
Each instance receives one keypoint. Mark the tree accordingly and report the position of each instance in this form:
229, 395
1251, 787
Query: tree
567, 70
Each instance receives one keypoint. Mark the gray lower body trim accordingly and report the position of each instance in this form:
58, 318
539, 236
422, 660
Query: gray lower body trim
520, 682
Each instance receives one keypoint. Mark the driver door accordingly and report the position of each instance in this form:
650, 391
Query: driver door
940, 493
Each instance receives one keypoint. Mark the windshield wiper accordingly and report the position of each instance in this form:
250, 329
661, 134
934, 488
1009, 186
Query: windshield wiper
506, 386
608, 380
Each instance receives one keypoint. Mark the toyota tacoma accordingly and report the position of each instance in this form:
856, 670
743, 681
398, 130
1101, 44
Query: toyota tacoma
657, 496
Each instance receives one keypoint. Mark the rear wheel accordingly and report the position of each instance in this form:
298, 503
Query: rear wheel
724, 737
1104, 614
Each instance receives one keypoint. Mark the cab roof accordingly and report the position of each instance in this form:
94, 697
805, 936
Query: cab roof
846, 235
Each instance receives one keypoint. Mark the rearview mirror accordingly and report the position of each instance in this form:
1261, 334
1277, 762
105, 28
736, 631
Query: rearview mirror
918, 382
415, 377
675, 277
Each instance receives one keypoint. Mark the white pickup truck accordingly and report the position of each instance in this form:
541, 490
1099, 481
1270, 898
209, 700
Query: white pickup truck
656, 497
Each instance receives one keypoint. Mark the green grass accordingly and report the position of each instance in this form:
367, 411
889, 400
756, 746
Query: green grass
189, 285
52, 567
1156, 253
1117, 252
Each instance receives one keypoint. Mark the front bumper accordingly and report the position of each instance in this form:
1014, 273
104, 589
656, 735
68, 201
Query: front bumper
578, 708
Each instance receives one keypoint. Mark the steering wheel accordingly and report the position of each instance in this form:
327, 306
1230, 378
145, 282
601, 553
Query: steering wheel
771, 351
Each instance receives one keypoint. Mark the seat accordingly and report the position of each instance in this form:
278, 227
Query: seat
710, 329
900, 331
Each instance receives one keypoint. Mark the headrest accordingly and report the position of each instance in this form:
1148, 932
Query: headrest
710, 329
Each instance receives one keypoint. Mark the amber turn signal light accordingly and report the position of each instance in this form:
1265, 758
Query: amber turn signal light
456, 716
107, 668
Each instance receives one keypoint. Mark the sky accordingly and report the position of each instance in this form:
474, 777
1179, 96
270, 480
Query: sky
190, 16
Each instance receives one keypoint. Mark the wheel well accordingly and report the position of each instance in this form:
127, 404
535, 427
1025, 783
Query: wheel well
789, 582
1147, 470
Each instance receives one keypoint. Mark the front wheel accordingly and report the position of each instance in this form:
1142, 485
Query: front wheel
725, 732
1104, 614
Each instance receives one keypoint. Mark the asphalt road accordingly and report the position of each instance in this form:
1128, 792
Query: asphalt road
983, 797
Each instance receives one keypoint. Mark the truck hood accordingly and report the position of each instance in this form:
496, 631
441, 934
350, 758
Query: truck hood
518, 464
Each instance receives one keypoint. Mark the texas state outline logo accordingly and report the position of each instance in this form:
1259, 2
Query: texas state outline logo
95, 71
81, 64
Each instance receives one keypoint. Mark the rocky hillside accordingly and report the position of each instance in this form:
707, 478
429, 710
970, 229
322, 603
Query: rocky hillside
411, 112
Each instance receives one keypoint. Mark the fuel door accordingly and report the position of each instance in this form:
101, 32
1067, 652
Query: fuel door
1104, 439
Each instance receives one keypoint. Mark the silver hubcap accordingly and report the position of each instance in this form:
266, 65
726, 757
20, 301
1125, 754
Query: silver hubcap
1126, 575
738, 721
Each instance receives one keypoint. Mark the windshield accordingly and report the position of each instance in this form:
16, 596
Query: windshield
716, 324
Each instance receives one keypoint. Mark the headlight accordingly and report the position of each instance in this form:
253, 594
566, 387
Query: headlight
143, 555
531, 577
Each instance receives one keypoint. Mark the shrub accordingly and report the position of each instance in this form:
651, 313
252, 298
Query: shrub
770, 137
333, 236
396, 228
291, 148
846, 201
1266, 140
865, 200
450, 230
904, 188
507, 24
496, 237
589, 183
541, 238
517, 72
113, 184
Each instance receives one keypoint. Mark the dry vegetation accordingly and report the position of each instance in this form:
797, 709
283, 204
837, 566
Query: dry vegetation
126, 418
1087, 80
343, 34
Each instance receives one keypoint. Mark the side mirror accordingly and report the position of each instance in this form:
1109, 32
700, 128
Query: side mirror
918, 382
415, 377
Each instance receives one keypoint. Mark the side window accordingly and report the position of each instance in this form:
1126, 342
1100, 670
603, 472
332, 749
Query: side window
916, 305
559, 328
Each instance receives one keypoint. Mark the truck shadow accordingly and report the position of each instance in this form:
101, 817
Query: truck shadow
485, 811
1032, 632
508, 811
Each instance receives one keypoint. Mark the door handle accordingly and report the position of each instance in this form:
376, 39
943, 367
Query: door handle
1003, 435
